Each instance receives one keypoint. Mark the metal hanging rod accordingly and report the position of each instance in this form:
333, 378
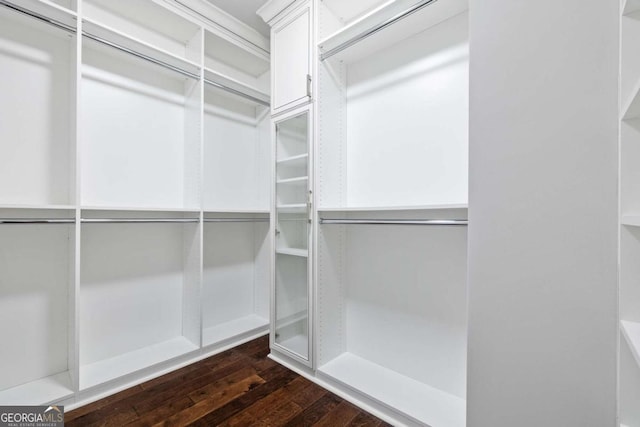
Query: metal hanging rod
457, 222
236, 220
141, 55
138, 220
45, 19
371, 31
237, 92
37, 221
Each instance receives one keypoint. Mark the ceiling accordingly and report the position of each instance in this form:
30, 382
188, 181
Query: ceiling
245, 11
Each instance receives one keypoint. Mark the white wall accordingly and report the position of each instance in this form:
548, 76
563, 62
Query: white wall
543, 207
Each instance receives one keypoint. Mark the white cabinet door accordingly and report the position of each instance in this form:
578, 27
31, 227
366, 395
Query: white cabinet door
291, 48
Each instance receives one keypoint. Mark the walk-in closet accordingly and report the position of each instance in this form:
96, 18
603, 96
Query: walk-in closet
321, 212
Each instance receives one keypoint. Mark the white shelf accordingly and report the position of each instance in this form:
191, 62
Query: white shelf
238, 211
45, 390
138, 209
293, 252
114, 36
48, 9
39, 207
631, 332
109, 369
393, 208
289, 208
632, 220
631, 6
233, 328
425, 404
298, 344
235, 84
423, 19
296, 180
300, 158
220, 51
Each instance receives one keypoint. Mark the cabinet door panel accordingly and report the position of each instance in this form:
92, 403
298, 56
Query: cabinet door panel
291, 59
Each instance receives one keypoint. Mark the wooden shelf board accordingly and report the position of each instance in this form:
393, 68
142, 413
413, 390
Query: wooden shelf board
631, 332
414, 399
219, 333
103, 371
45, 390
293, 252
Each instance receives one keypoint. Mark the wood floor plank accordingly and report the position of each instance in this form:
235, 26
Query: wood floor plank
230, 409
109, 400
214, 388
163, 412
154, 398
315, 412
212, 402
342, 415
252, 414
240, 387
364, 419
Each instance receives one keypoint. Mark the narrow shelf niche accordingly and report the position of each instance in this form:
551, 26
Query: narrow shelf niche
37, 112
404, 286
236, 149
37, 353
394, 117
139, 294
140, 138
235, 291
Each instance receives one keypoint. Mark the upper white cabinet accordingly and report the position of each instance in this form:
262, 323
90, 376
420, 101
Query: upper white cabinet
292, 53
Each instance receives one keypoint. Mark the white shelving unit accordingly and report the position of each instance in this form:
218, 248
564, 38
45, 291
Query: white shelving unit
630, 216
235, 296
139, 287
415, 90
135, 169
392, 149
38, 63
35, 305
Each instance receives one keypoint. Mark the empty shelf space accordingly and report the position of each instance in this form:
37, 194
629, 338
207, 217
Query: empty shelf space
631, 332
425, 404
630, 6
138, 209
296, 180
632, 220
244, 325
46, 9
401, 18
297, 344
45, 390
301, 159
113, 38
105, 370
293, 252
38, 207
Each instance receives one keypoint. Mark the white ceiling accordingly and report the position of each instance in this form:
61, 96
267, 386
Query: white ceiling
245, 11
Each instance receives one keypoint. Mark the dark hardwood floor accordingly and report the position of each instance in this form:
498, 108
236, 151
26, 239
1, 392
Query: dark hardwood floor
240, 387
